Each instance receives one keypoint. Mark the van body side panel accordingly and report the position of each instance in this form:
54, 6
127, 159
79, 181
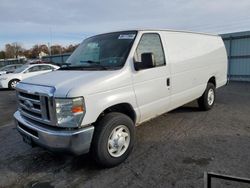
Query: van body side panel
194, 58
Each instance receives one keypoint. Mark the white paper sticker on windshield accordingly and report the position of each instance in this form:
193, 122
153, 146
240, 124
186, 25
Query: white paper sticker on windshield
127, 36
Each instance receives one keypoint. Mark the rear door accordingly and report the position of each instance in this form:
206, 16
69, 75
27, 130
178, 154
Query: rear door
152, 85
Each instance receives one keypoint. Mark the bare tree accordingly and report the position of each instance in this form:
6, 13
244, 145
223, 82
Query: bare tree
13, 50
2, 55
70, 48
56, 49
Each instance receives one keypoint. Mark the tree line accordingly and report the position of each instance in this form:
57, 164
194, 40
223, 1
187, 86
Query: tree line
15, 49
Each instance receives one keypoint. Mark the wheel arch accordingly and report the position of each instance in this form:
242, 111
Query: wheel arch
11, 80
212, 80
124, 108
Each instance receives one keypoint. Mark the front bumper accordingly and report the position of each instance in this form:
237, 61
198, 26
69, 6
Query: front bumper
54, 139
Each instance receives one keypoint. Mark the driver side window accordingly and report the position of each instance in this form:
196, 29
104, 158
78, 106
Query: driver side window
150, 43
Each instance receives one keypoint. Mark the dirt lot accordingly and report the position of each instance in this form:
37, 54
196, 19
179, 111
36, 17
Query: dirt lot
173, 150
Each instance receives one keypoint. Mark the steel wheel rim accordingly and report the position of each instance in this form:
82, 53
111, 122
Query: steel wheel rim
118, 141
13, 84
210, 97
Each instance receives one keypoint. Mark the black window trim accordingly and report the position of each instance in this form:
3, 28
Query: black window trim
161, 47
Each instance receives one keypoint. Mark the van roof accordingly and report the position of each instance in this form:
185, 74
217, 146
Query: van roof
182, 31
170, 30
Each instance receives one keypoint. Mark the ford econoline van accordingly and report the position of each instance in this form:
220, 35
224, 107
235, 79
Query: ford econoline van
115, 81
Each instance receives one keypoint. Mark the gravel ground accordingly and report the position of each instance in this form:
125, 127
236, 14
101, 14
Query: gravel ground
173, 150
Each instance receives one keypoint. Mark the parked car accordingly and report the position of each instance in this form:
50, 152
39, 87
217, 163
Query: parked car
25, 71
9, 68
112, 83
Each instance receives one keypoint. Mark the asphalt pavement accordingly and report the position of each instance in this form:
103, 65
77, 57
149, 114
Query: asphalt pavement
173, 150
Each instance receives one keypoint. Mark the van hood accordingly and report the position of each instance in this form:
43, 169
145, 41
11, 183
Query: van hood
80, 83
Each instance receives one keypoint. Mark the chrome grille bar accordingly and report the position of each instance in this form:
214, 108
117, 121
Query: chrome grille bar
36, 103
31, 109
25, 98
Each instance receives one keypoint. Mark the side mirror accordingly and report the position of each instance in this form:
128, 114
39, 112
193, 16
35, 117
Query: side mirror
147, 61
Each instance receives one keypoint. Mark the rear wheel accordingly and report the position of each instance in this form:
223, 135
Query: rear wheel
13, 83
206, 101
113, 139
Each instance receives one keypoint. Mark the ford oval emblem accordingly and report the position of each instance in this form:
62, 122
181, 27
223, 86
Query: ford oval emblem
28, 104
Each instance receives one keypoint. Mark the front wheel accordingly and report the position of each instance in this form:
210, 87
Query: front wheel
206, 101
113, 139
13, 83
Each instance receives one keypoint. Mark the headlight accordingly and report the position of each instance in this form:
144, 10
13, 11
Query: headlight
70, 112
4, 78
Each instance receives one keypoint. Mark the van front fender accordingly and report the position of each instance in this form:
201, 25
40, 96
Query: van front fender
95, 104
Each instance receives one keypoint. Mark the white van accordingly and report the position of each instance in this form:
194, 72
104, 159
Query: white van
112, 83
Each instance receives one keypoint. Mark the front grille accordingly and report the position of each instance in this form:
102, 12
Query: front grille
35, 106
30, 96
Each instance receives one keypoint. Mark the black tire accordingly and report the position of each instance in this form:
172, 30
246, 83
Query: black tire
103, 130
203, 101
11, 84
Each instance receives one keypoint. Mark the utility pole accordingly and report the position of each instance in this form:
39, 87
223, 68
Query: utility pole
49, 48
50, 33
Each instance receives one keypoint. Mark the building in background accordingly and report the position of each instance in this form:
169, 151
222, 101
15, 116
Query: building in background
19, 60
238, 51
42, 54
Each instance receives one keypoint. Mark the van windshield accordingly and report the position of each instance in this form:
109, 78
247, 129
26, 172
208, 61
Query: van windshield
102, 52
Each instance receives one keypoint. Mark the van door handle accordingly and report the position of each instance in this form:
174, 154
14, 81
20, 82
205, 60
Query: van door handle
168, 82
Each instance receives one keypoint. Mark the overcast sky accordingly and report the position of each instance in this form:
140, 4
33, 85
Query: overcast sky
69, 21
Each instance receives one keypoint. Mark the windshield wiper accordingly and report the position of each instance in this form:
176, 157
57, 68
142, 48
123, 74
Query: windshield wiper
72, 68
89, 65
94, 64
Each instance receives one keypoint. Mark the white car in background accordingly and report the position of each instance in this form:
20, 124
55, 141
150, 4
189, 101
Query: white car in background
23, 72
9, 68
